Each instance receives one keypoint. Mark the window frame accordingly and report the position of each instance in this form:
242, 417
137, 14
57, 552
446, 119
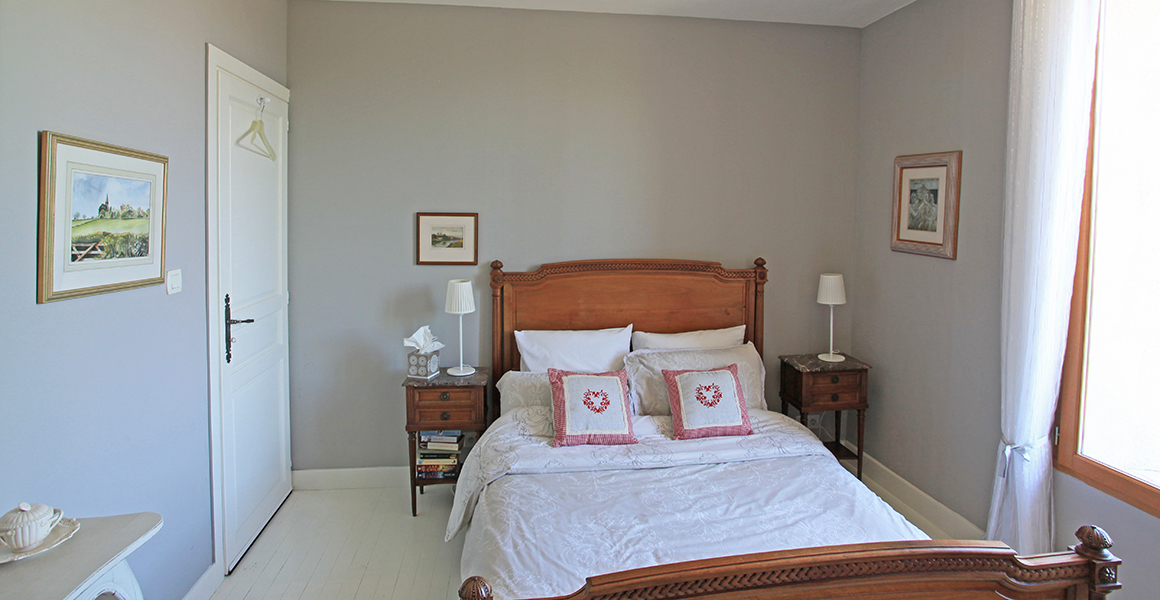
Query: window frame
1071, 392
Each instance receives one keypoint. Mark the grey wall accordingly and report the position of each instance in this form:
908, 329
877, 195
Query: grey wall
103, 400
574, 136
933, 79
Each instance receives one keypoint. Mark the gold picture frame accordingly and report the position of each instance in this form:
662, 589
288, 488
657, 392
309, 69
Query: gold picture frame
926, 204
102, 218
446, 238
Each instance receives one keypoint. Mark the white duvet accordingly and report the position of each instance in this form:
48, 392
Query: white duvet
541, 519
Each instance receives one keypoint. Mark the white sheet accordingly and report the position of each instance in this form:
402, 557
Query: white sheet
543, 519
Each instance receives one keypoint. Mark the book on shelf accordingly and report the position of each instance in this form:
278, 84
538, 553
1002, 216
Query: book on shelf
441, 439
436, 467
436, 474
448, 433
440, 446
437, 454
437, 461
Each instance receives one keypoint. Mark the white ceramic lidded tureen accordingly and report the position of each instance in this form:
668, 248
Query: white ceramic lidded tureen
25, 527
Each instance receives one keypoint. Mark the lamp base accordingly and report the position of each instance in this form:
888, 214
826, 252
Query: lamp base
831, 357
464, 371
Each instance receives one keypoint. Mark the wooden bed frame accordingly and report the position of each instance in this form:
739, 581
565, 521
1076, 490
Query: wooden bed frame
668, 296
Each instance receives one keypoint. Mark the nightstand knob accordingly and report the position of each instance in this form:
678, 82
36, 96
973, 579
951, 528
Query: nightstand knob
445, 396
445, 416
835, 379
834, 397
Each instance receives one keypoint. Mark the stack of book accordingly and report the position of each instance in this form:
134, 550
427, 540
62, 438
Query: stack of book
439, 454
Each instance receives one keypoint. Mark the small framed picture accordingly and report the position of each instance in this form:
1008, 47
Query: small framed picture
102, 218
447, 238
926, 204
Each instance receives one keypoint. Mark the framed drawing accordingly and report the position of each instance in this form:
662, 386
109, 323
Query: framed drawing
447, 238
102, 218
926, 204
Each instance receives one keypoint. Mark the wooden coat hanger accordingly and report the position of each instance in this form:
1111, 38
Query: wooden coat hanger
257, 133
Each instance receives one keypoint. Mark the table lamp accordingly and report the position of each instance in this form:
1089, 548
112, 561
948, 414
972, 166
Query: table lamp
460, 301
831, 291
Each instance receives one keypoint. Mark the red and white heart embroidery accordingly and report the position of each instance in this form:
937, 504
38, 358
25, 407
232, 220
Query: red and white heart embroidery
704, 391
590, 398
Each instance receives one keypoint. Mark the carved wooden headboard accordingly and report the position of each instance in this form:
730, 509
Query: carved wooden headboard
660, 296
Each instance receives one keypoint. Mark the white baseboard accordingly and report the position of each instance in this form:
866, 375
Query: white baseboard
346, 479
928, 514
207, 584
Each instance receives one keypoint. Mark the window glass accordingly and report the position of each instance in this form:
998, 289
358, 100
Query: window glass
1121, 409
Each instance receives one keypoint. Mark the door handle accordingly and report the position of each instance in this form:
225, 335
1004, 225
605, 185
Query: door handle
229, 323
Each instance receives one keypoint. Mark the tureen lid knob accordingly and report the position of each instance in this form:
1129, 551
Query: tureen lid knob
23, 514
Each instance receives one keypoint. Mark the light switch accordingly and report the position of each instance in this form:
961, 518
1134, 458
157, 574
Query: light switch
173, 281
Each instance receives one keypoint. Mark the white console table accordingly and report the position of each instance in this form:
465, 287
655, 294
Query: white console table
89, 564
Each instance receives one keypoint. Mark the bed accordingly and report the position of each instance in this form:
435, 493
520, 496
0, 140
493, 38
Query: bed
765, 515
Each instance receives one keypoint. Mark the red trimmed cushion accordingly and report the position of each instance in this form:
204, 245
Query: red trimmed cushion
707, 403
590, 408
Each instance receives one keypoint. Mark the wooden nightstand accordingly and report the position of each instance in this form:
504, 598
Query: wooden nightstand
444, 402
812, 385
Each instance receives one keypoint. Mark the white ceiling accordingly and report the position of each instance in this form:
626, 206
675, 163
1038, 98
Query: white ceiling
847, 13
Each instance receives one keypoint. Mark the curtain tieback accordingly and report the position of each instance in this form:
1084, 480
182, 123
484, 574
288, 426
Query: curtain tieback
1021, 449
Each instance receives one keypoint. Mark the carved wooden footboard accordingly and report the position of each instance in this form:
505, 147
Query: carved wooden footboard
963, 570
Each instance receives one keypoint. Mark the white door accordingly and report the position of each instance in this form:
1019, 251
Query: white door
247, 262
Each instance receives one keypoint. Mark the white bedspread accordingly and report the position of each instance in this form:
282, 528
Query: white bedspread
543, 519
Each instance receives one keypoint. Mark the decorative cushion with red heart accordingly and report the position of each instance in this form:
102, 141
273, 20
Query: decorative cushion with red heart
590, 408
707, 403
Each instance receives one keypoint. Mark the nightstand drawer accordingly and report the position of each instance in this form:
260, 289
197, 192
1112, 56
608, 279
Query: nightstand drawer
433, 398
840, 379
438, 417
837, 399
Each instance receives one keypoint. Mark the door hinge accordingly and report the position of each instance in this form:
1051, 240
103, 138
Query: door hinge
1055, 434
287, 125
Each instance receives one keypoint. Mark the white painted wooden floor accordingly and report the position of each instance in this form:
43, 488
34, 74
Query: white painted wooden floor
352, 545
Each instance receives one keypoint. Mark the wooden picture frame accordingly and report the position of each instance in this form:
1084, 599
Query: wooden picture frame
447, 238
926, 204
102, 218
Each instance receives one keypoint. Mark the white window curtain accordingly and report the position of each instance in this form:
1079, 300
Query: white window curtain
1053, 47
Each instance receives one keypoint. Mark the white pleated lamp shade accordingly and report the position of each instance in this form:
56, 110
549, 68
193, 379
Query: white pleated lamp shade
831, 289
460, 299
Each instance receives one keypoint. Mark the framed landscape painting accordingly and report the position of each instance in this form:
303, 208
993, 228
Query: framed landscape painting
926, 204
102, 218
447, 238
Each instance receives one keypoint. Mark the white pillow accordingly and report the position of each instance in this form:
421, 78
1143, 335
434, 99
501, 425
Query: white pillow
518, 389
705, 338
649, 393
591, 351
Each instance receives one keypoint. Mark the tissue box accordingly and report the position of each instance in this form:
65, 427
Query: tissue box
423, 365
